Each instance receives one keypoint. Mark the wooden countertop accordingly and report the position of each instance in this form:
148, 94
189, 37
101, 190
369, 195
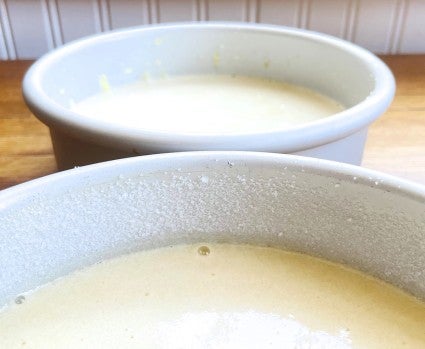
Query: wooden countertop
396, 142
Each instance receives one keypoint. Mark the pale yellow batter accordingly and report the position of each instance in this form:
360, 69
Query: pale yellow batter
216, 296
208, 104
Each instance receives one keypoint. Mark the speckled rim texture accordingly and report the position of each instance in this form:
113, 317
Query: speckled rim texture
63, 222
297, 138
95, 173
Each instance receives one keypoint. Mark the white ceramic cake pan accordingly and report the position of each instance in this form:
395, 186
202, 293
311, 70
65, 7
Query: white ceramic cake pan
341, 70
57, 224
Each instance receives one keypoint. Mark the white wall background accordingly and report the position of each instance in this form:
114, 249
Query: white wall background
30, 28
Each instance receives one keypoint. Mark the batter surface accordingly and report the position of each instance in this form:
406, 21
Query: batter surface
214, 296
208, 104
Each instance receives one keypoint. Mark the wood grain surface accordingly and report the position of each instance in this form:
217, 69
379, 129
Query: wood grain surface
396, 142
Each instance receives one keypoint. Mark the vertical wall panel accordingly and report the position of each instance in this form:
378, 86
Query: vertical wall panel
350, 19
398, 25
78, 18
31, 33
252, 11
29, 28
328, 16
303, 13
283, 12
47, 25
5, 34
127, 13
374, 21
413, 35
225, 10
153, 6
3, 49
104, 15
177, 11
55, 26
202, 14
